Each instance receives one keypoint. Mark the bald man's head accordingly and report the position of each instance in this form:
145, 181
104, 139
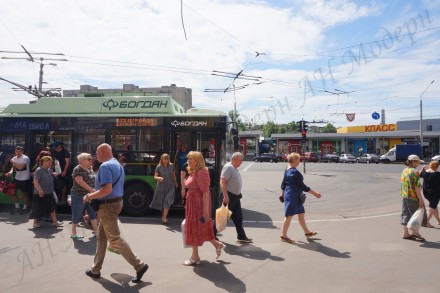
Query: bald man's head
104, 152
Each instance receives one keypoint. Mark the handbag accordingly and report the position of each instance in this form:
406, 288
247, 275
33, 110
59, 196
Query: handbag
221, 217
94, 204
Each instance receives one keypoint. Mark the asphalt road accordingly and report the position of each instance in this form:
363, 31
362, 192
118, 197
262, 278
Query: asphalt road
348, 190
358, 248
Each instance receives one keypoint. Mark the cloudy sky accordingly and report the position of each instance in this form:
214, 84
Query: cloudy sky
298, 59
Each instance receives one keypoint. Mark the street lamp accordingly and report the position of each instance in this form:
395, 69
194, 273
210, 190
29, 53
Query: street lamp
421, 118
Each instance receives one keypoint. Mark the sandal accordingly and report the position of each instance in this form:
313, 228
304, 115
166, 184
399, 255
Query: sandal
418, 237
287, 239
191, 262
164, 221
311, 234
77, 236
218, 251
410, 237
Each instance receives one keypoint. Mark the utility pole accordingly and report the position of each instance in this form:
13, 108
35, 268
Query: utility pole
421, 119
40, 93
40, 81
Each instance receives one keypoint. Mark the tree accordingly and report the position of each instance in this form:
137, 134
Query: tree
236, 118
329, 128
269, 128
291, 127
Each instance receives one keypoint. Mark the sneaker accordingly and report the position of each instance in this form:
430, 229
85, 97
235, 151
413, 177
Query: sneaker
244, 240
92, 274
15, 211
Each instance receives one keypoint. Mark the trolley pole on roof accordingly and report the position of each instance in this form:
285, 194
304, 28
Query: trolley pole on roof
40, 93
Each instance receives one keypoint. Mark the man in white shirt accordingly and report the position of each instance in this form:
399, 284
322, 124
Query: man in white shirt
21, 167
230, 185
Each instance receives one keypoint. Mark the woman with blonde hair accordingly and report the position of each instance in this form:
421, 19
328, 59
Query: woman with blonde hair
83, 183
292, 187
166, 186
198, 227
431, 190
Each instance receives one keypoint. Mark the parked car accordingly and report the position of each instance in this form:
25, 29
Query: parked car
269, 157
330, 158
347, 158
368, 158
311, 157
282, 157
435, 158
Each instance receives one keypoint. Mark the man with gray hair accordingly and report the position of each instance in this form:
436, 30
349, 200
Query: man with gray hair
230, 184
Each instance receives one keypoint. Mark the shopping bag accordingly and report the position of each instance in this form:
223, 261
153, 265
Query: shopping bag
416, 219
183, 228
221, 217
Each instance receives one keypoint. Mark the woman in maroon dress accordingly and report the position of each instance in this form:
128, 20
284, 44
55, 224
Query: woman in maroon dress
198, 227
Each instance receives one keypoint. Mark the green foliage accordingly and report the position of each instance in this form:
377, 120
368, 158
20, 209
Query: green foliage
291, 127
329, 128
241, 126
269, 128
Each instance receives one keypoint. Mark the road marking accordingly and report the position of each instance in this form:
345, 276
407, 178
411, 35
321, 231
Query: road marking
329, 220
247, 167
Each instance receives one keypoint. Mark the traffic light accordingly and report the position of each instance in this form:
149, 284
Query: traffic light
299, 125
234, 133
304, 134
304, 129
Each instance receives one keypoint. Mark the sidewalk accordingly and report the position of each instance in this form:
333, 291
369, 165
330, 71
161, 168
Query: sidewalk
363, 255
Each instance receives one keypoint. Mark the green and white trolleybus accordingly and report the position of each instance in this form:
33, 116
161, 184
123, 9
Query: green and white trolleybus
146, 126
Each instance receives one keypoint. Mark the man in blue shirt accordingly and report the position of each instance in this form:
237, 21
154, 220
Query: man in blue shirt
109, 186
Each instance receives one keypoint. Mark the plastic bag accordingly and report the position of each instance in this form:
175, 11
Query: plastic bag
416, 220
183, 228
221, 217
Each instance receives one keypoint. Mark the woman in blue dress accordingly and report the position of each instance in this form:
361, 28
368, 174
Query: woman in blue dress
292, 187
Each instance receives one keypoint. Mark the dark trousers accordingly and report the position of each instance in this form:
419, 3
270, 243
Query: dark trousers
234, 206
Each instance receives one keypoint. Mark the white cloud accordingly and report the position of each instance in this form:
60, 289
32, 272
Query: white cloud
143, 42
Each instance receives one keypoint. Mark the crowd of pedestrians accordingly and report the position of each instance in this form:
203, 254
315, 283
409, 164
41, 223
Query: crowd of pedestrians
106, 186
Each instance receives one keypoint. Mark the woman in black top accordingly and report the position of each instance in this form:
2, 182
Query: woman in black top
431, 190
